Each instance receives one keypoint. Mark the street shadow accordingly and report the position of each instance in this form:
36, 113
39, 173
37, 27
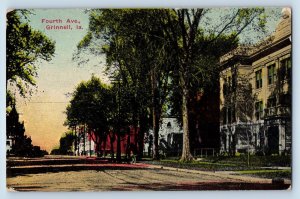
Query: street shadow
19, 171
201, 186
27, 188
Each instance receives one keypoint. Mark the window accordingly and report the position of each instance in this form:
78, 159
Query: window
259, 110
285, 99
233, 115
229, 84
169, 125
225, 90
285, 69
258, 79
224, 115
271, 74
228, 115
271, 101
233, 82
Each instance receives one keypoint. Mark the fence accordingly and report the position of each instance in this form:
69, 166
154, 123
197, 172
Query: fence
204, 152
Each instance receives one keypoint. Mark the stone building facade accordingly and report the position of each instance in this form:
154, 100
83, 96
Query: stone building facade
255, 95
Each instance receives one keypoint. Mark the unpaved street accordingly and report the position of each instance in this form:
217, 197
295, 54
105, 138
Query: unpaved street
125, 179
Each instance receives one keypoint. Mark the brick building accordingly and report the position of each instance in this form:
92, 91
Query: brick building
255, 95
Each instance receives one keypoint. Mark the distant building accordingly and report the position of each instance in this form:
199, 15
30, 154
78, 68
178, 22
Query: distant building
170, 138
88, 144
9, 144
255, 95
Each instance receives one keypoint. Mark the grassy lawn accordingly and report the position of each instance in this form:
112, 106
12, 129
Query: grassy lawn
256, 161
238, 163
287, 174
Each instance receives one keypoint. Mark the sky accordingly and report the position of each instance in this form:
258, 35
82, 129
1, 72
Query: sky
43, 112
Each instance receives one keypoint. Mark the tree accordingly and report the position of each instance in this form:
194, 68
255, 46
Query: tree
21, 143
92, 106
137, 57
204, 91
66, 143
184, 41
177, 46
24, 47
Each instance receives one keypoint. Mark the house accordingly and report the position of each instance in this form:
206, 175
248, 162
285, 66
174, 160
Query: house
255, 95
90, 144
9, 144
170, 138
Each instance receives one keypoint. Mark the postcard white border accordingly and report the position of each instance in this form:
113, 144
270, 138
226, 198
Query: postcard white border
295, 4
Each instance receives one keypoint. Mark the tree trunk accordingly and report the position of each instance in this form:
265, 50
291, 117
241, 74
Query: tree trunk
112, 140
128, 146
141, 137
155, 136
104, 145
99, 143
119, 147
155, 118
84, 134
186, 153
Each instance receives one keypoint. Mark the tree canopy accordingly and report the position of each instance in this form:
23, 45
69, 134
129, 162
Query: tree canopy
24, 47
170, 48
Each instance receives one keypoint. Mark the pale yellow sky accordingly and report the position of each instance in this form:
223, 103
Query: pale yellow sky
43, 112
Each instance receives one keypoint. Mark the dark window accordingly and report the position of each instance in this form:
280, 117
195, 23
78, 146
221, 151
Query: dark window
229, 115
271, 74
259, 110
169, 125
285, 69
224, 115
229, 84
285, 99
271, 102
233, 82
233, 114
225, 89
258, 79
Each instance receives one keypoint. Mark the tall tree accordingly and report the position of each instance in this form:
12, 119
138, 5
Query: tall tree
184, 41
170, 43
24, 47
92, 106
138, 56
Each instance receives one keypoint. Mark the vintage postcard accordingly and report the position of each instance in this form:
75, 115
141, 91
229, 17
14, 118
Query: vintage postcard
149, 99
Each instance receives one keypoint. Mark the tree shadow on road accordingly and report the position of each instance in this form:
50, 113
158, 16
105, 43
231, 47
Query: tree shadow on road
198, 186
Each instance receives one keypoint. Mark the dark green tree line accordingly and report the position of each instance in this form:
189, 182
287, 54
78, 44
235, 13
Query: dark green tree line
93, 108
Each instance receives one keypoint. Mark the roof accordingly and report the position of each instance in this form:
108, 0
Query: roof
280, 38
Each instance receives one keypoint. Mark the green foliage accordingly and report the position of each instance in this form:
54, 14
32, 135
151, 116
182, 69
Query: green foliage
93, 105
165, 53
136, 56
270, 174
66, 143
24, 47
